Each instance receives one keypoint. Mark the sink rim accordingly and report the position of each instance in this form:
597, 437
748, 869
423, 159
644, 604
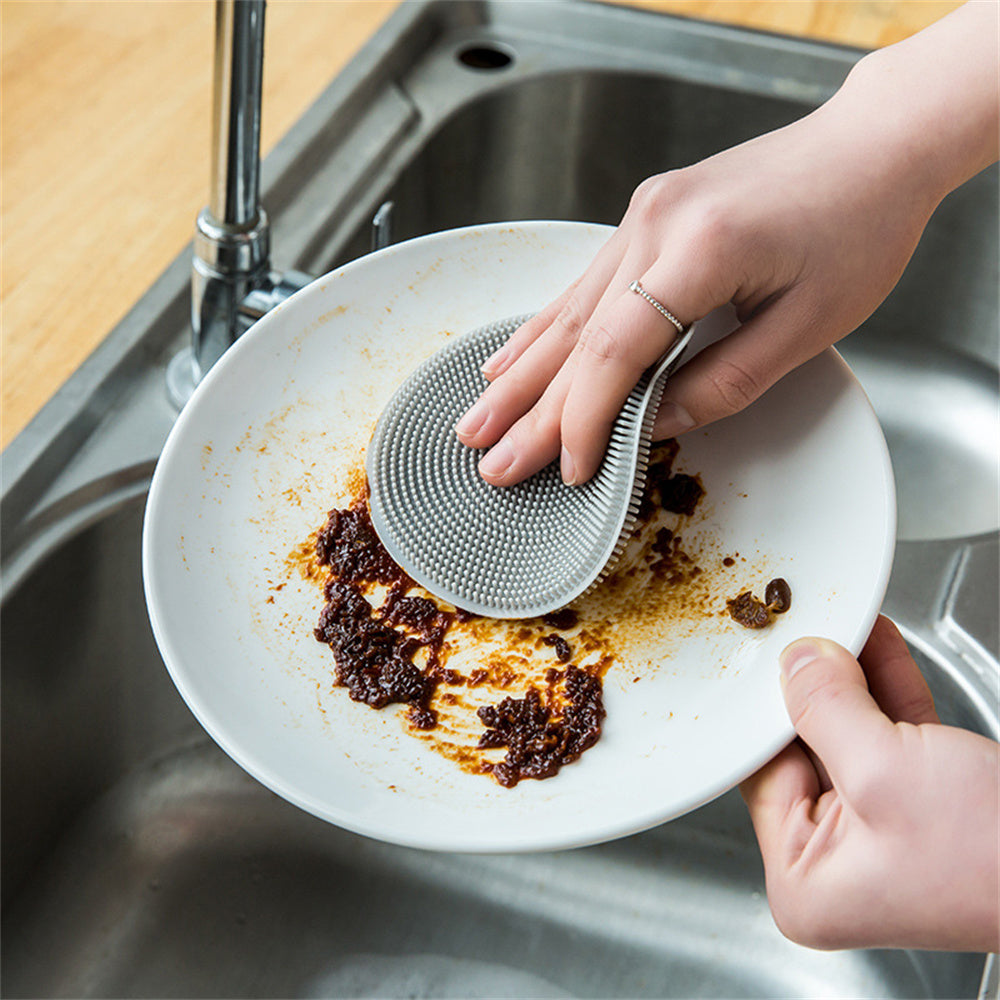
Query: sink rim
33, 464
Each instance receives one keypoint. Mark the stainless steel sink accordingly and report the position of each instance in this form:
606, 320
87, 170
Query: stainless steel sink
138, 860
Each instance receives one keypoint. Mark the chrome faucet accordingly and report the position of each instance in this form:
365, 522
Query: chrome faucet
232, 284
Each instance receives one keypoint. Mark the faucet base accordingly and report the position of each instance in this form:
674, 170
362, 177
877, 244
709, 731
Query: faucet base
184, 371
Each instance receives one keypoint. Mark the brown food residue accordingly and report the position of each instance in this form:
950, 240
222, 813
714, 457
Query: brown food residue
751, 612
514, 700
540, 732
778, 595
563, 650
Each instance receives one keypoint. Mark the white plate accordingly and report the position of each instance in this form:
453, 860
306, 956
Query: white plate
799, 485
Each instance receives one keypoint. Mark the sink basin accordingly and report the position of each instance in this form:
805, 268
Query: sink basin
138, 860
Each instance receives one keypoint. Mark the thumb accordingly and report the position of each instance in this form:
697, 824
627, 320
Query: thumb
833, 712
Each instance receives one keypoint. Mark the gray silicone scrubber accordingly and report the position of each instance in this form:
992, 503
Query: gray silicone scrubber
505, 552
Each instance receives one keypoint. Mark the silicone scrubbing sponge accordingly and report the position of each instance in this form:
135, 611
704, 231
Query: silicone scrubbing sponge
506, 552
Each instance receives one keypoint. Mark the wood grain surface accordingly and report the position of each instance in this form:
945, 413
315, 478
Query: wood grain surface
105, 143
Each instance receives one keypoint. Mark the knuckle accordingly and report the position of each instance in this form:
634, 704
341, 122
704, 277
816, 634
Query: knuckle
734, 384
538, 425
716, 228
657, 194
821, 696
712, 243
707, 224
643, 194
570, 319
601, 344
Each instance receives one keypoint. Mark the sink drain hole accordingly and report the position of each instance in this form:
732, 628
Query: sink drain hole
484, 57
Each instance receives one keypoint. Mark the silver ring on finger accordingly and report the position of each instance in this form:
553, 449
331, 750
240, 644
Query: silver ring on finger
634, 286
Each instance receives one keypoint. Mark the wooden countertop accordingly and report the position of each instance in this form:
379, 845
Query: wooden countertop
105, 139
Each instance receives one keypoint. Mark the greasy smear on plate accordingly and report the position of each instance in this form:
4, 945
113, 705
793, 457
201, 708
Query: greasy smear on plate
509, 699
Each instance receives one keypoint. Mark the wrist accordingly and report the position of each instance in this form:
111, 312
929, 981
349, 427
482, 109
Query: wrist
930, 104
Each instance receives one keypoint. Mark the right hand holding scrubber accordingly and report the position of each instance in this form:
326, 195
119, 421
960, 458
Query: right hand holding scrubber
804, 230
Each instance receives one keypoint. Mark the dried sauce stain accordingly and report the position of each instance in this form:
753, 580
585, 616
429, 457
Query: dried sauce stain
659, 578
302, 561
509, 699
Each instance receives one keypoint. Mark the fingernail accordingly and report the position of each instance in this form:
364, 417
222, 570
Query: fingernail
496, 361
568, 468
473, 420
672, 420
497, 460
797, 655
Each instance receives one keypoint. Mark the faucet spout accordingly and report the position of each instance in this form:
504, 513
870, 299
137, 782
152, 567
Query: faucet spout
231, 281
232, 240
236, 111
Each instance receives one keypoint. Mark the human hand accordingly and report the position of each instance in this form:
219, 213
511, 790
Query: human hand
879, 827
804, 230
788, 228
